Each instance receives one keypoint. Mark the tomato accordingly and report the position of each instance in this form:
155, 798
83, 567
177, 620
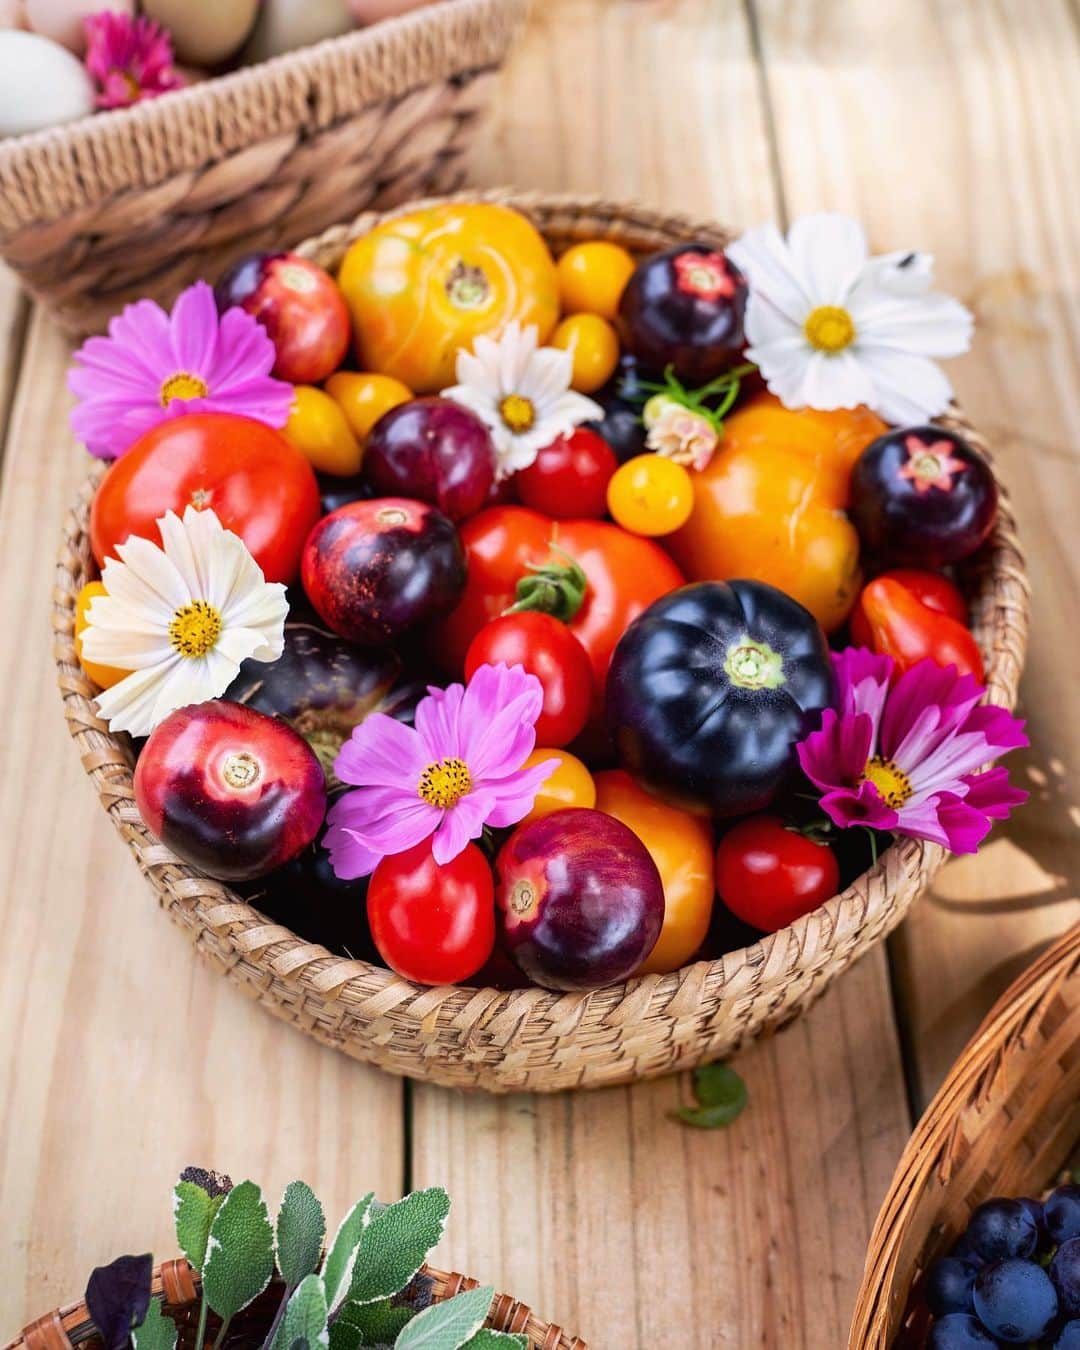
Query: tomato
103, 676
260, 486
546, 648
319, 429
424, 284
594, 346
651, 494
433, 923
929, 588
902, 627
681, 846
769, 875
571, 784
593, 276
569, 478
365, 396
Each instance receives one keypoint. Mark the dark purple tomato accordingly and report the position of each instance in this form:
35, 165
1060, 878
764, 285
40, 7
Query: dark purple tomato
684, 308
335, 492
230, 790
921, 496
434, 450
580, 899
375, 569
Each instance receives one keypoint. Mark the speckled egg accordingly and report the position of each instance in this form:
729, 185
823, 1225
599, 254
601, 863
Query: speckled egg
62, 20
41, 84
204, 34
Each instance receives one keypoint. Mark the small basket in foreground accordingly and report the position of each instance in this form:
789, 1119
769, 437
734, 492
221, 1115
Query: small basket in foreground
1005, 1120
532, 1039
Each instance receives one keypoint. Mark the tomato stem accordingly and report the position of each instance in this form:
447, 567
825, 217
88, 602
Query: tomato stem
555, 588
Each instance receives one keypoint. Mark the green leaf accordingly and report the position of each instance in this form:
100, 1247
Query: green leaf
240, 1252
486, 1339
193, 1212
396, 1242
721, 1095
445, 1326
344, 1335
337, 1269
157, 1332
301, 1227
375, 1323
305, 1316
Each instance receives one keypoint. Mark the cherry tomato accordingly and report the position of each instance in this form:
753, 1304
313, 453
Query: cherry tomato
769, 876
261, 488
568, 479
571, 784
546, 648
902, 627
929, 588
651, 495
103, 676
681, 846
594, 346
319, 429
365, 396
433, 923
593, 276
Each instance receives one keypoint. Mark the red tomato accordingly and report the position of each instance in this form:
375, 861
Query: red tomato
769, 876
260, 487
568, 479
902, 627
929, 588
433, 923
546, 648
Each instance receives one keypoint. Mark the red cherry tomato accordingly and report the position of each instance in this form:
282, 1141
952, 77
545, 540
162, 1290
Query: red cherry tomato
568, 479
433, 923
261, 488
769, 876
930, 588
546, 648
902, 627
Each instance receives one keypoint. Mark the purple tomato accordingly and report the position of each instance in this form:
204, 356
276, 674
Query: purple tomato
435, 450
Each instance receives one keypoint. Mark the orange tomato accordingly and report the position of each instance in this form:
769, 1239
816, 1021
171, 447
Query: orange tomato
425, 284
650, 495
570, 785
593, 347
593, 276
770, 505
319, 429
103, 676
681, 845
364, 397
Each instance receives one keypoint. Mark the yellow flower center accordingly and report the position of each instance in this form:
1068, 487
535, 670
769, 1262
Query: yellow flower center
182, 385
517, 412
195, 628
890, 780
444, 783
829, 328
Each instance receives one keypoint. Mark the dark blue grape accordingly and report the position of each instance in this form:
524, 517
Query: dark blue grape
959, 1331
948, 1285
1061, 1213
1002, 1228
1069, 1336
1015, 1300
1065, 1273
1035, 1209
965, 1251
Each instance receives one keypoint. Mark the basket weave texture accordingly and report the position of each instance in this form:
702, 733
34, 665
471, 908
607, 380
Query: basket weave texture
1005, 1120
533, 1039
70, 1327
141, 201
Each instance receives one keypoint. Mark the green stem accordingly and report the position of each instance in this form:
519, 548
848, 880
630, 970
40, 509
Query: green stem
200, 1334
269, 1341
221, 1333
551, 588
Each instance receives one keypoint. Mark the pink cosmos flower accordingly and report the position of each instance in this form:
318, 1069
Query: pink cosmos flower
905, 756
154, 366
457, 771
128, 59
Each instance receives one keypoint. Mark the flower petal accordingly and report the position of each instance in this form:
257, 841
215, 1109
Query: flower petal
828, 251
382, 752
906, 388
193, 330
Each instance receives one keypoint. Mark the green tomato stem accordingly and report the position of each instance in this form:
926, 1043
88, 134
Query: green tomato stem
551, 588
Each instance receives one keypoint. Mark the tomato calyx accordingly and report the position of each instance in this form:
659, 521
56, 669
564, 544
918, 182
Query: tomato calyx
752, 664
555, 588
467, 287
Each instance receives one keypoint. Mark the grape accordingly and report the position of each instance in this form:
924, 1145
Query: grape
1035, 1209
1061, 1213
1065, 1273
1002, 1228
948, 1285
1068, 1336
959, 1331
1015, 1300
964, 1249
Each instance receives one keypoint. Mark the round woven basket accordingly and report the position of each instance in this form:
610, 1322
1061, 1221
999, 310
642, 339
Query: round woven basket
532, 1039
1005, 1120
256, 159
70, 1327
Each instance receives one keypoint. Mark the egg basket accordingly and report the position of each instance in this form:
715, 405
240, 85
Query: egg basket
1004, 1122
533, 1039
71, 1327
141, 201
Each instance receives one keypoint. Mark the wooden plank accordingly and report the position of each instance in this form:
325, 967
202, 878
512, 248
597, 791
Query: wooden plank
950, 130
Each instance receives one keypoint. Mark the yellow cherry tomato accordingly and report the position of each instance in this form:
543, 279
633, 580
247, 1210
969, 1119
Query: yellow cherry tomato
681, 845
319, 429
103, 676
650, 494
594, 346
570, 785
592, 278
423, 285
365, 396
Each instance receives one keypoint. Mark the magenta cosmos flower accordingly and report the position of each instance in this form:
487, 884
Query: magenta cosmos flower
457, 771
128, 59
154, 366
905, 756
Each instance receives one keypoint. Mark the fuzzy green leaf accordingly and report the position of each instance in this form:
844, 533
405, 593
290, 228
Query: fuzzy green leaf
337, 1269
344, 1334
446, 1326
305, 1316
193, 1212
375, 1323
240, 1252
721, 1095
396, 1242
157, 1332
301, 1227
486, 1339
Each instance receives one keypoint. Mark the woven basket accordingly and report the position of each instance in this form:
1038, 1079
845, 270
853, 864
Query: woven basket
70, 1327
1005, 1120
141, 201
533, 1039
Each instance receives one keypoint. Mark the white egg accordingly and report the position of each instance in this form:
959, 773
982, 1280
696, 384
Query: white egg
62, 20
204, 32
41, 84
284, 25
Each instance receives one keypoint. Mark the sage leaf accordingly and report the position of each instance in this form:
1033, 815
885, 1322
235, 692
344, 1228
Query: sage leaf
118, 1297
486, 1339
446, 1326
344, 1335
305, 1316
239, 1253
157, 1332
395, 1244
193, 1213
375, 1323
337, 1269
301, 1227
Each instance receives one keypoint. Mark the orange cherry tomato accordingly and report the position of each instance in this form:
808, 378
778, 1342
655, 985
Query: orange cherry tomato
681, 845
903, 627
570, 785
319, 429
103, 676
650, 495
365, 396
594, 348
593, 276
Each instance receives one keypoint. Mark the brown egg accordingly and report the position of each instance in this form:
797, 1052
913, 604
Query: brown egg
204, 34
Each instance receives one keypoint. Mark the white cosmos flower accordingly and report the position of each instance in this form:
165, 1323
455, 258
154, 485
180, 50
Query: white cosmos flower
522, 392
831, 327
181, 619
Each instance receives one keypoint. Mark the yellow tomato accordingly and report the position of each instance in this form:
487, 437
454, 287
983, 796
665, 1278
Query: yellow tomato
593, 276
425, 284
650, 494
681, 845
103, 676
365, 396
570, 785
594, 347
319, 429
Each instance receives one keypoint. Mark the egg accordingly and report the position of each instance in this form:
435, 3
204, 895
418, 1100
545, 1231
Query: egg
62, 20
374, 11
286, 24
204, 32
41, 83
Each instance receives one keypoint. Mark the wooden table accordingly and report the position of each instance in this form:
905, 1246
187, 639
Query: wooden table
944, 124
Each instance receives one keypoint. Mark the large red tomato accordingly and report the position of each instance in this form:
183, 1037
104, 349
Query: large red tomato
260, 487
